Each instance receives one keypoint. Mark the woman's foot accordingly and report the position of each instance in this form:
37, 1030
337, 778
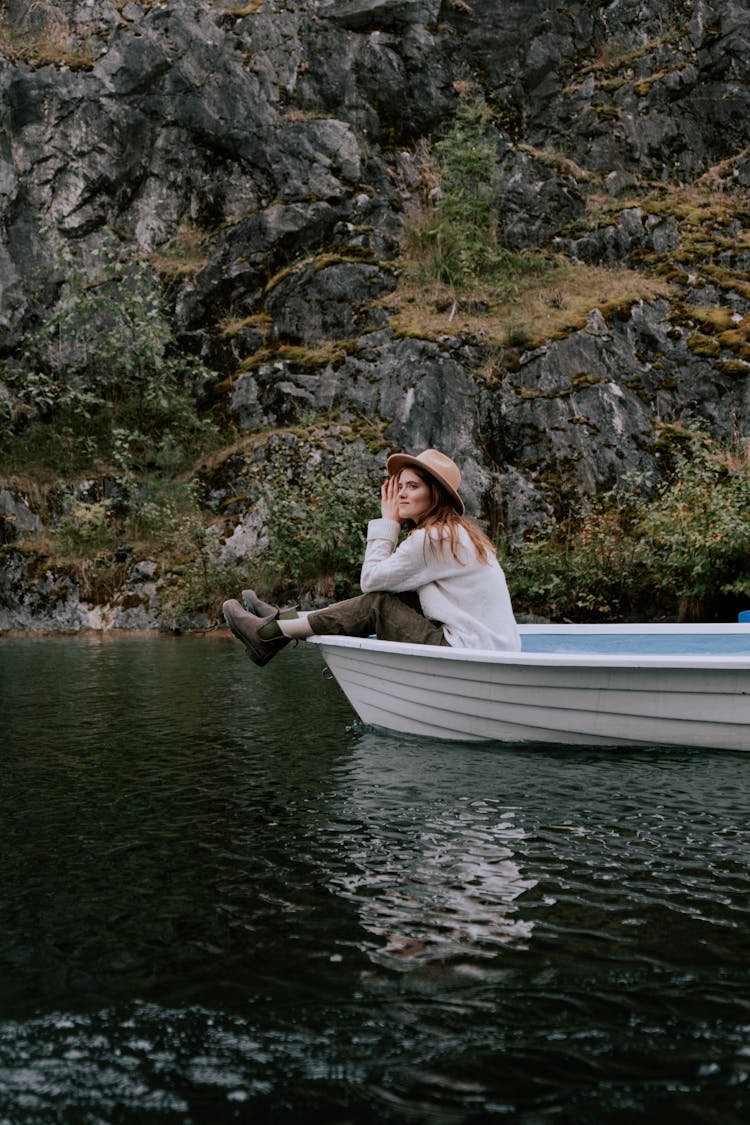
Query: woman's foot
246, 628
254, 604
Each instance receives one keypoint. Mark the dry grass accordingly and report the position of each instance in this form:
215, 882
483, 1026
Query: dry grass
560, 163
241, 10
52, 44
542, 308
296, 115
230, 325
183, 256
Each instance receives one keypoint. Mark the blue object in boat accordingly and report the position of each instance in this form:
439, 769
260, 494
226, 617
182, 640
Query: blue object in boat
640, 644
744, 615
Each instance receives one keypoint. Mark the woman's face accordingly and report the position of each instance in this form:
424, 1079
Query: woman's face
413, 496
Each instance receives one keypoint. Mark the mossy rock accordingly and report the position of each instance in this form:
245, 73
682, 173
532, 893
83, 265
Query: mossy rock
703, 345
606, 111
671, 437
584, 379
736, 368
735, 339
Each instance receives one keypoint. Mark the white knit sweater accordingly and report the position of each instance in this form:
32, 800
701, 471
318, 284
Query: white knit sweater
471, 601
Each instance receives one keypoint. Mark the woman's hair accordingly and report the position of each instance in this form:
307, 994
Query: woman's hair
443, 517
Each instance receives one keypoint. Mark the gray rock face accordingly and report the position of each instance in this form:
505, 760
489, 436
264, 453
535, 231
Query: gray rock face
367, 15
16, 517
334, 302
39, 601
286, 136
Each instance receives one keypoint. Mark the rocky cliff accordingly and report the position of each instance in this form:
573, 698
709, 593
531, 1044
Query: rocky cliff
284, 142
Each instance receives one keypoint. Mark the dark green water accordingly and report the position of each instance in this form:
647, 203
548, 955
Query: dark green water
221, 901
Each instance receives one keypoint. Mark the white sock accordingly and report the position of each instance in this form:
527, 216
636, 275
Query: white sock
296, 627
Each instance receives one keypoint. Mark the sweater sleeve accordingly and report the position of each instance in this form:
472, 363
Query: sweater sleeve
408, 567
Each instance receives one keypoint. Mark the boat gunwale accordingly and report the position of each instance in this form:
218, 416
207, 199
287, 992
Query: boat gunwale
701, 661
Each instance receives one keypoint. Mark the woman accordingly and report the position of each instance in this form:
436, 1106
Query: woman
442, 586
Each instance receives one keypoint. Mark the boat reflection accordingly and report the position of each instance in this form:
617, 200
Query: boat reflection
433, 868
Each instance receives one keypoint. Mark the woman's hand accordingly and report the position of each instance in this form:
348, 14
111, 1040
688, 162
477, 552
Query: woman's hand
389, 499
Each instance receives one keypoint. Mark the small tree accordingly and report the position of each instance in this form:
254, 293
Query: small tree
457, 243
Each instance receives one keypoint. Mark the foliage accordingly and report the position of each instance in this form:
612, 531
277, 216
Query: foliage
86, 527
697, 528
457, 242
584, 569
198, 581
635, 555
99, 389
315, 522
100, 371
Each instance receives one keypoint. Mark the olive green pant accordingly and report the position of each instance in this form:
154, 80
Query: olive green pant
391, 617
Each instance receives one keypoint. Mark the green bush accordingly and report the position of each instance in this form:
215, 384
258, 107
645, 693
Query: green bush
630, 556
587, 569
197, 581
316, 524
86, 528
99, 361
458, 242
697, 528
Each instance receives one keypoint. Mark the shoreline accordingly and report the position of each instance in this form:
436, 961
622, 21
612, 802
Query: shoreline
111, 634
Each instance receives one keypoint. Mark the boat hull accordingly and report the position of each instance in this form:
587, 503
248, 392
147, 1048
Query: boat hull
570, 698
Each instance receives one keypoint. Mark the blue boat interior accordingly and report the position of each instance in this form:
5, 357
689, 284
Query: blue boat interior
639, 644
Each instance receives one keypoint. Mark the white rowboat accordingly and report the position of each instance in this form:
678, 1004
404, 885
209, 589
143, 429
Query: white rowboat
579, 685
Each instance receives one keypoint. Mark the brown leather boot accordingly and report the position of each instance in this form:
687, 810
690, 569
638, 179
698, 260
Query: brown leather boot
246, 626
256, 605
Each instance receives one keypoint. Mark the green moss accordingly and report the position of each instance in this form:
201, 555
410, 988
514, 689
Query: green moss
531, 392
607, 111
669, 435
584, 379
609, 85
323, 261
320, 262
737, 368
642, 87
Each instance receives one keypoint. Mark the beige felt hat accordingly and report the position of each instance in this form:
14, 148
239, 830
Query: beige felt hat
437, 465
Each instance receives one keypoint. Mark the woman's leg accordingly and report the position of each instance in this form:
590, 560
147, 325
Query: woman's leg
391, 617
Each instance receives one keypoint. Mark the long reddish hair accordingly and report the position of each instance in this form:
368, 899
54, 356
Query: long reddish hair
443, 517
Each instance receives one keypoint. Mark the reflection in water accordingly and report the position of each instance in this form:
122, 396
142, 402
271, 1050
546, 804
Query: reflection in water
433, 879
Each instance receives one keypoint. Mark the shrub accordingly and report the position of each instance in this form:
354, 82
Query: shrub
457, 242
587, 569
101, 362
697, 527
86, 528
316, 528
628, 555
197, 580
